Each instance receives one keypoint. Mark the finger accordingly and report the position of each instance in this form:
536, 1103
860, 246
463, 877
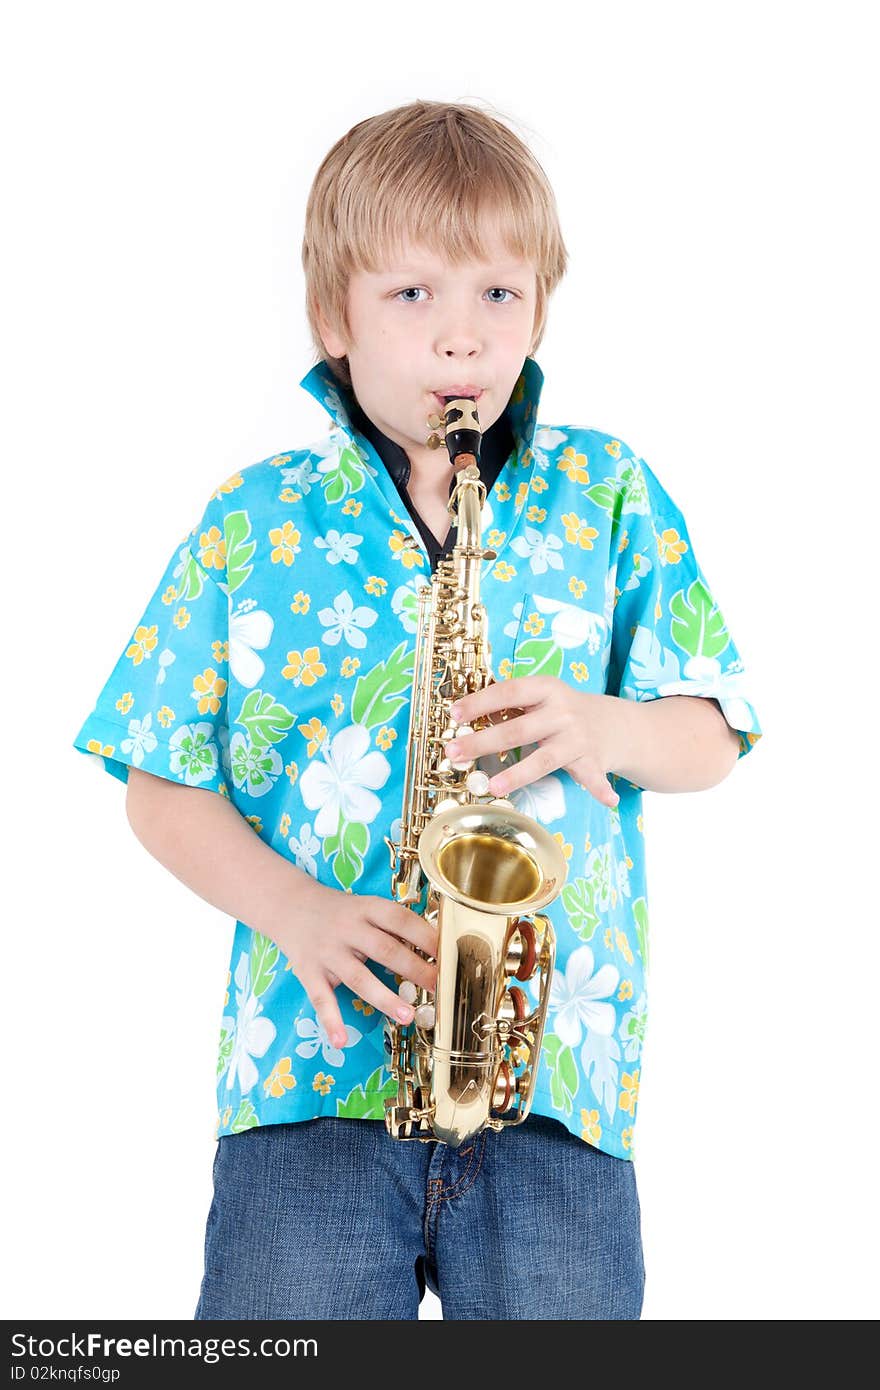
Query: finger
367, 986
519, 692
324, 1002
594, 781
403, 923
540, 763
396, 956
499, 738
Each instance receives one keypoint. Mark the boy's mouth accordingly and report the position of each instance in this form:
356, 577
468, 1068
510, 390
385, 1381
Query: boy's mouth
445, 397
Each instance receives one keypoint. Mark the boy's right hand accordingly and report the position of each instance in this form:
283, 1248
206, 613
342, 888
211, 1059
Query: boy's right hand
329, 935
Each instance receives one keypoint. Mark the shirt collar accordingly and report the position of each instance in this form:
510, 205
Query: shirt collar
342, 406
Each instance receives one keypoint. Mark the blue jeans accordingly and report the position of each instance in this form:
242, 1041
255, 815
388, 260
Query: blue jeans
330, 1218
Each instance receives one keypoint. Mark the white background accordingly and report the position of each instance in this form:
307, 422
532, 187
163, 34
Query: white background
712, 170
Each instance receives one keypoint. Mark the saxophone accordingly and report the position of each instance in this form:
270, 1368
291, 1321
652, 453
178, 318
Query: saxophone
474, 865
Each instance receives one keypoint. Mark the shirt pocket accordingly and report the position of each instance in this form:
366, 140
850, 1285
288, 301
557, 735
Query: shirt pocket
557, 638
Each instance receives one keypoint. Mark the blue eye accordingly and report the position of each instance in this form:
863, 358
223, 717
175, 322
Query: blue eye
418, 288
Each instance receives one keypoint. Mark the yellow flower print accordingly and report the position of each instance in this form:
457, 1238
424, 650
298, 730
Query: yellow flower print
169, 595
323, 1083
504, 571
353, 507
106, 750
536, 514
503, 492
496, 538
223, 790
256, 823
533, 624
285, 540
401, 520
145, 640
563, 844
613, 448
227, 1114
279, 1079
292, 772
287, 494
280, 460
588, 843
304, 668
212, 549
579, 670
623, 946
591, 1130
349, 665
208, 691
626, 990
505, 670
220, 651
521, 494
337, 704
626, 1137
609, 939
301, 602
574, 465
640, 824
284, 825
578, 531
403, 548
670, 546
229, 486
125, 702
376, 585
363, 1007
181, 618
315, 732
166, 716
539, 483
578, 587
629, 1096
385, 737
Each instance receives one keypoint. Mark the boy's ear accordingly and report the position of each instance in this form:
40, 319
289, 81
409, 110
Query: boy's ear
334, 344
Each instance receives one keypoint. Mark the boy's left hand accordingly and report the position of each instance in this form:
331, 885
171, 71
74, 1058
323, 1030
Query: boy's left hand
574, 730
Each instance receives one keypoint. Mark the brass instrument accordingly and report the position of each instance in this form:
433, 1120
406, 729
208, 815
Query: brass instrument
469, 1059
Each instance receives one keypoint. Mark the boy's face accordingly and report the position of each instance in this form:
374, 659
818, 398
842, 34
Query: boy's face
423, 325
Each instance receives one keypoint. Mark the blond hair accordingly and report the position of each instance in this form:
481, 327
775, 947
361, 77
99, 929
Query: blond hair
430, 173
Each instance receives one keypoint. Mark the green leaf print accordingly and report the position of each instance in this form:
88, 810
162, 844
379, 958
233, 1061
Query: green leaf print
239, 551
347, 476
367, 1102
640, 916
191, 581
374, 701
227, 1038
578, 899
264, 958
347, 848
605, 495
266, 720
563, 1074
537, 657
246, 1118
697, 625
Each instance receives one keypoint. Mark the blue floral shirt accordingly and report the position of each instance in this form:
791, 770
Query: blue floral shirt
273, 665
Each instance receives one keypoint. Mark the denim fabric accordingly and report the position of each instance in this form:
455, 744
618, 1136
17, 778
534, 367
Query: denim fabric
330, 1219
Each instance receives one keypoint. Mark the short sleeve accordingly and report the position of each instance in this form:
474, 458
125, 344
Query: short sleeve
668, 633
163, 708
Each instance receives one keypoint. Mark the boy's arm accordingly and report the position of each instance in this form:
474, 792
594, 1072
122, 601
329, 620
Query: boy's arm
680, 743
205, 842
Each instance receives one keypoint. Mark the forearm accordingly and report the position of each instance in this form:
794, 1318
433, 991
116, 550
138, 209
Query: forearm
680, 743
205, 842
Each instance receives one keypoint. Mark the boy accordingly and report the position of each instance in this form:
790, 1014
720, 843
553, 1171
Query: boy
273, 668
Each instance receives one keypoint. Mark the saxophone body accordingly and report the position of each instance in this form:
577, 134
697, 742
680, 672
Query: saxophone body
471, 862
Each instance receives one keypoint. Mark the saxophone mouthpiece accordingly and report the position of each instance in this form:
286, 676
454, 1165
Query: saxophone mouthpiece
459, 429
